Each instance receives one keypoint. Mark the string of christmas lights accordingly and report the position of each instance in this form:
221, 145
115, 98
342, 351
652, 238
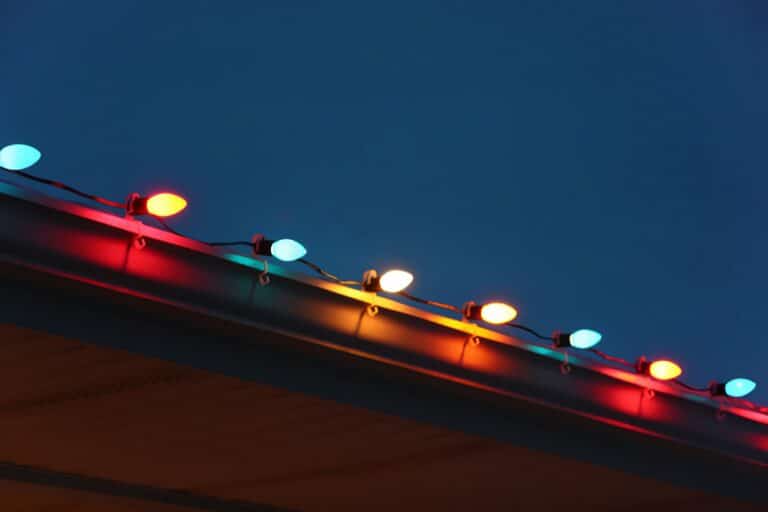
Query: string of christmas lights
17, 157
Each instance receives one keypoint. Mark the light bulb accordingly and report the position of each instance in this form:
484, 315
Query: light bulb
739, 387
394, 281
584, 338
165, 204
160, 205
286, 249
664, 370
391, 281
497, 313
18, 156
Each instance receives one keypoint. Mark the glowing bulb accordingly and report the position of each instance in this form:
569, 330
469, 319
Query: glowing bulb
18, 156
497, 313
664, 370
394, 281
287, 250
584, 338
739, 387
165, 204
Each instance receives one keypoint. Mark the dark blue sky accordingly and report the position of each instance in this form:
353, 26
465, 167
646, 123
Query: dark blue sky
597, 164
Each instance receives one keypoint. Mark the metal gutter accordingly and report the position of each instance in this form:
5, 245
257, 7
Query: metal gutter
82, 244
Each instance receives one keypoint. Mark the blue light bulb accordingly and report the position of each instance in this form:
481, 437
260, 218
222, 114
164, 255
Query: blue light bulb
585, 338
739, 387
18, 156
287, 250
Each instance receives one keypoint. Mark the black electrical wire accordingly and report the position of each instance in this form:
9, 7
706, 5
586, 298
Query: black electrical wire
628, 364
436, 304
227, 244
85, 195
328, 275
115, 204
167, 227
691, 388
530, 331
611, 358
243, 243
107, 202
63, 186
753, 406
324, 273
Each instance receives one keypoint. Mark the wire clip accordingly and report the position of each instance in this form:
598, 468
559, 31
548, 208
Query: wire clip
565, 366
264, 279
139, 242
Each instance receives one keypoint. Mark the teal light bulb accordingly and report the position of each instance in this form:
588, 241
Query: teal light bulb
585, 338
287, 250
739, 387
18, 156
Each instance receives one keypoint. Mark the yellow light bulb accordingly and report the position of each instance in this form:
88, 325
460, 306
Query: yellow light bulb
664, 370
497, 313
394, 281
165, 204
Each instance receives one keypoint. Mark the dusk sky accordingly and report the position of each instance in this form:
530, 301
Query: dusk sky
597, 164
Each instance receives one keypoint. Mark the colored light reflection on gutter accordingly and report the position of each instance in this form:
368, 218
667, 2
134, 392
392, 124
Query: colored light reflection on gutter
409, 314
